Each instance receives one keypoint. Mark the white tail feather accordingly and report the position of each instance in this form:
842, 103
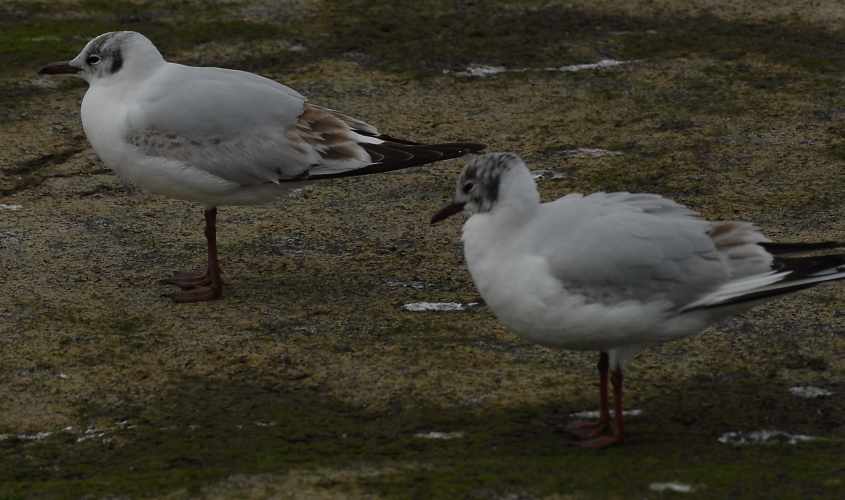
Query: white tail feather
767, 283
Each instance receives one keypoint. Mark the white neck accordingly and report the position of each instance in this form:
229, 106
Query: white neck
518, 201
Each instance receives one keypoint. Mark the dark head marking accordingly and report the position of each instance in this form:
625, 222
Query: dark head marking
116, 62
109, 54
104, 54
96, 45
481, 179
479, 184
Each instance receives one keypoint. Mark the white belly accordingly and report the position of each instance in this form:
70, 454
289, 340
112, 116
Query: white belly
105, 125
535, 305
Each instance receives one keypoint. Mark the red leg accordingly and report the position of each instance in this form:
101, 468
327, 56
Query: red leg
604, 364
618, 435
616, 380
586, 430
199, 287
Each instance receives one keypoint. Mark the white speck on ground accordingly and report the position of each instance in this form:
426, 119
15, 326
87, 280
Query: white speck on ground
672, 486
809, 392
4, 206
86, 435
437, 306
604, 63
439, 435
481, 70
485, 70
92, 433
45, 38
595, 413
35, 436
540, 175
763, 437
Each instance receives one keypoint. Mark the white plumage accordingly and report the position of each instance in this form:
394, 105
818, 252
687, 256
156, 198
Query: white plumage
219, 136
612, 272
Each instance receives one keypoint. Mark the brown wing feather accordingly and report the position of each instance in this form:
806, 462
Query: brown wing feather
340, 138
326, 132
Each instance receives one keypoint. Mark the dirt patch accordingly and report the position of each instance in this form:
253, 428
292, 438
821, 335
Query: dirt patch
309, 375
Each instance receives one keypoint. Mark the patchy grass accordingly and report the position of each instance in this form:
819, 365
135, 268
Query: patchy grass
307, 376
189, 438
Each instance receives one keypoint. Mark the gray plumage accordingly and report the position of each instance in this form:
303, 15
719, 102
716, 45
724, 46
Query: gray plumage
612, 271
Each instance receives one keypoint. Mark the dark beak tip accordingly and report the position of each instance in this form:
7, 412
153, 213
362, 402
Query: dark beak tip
59, 68
446, 212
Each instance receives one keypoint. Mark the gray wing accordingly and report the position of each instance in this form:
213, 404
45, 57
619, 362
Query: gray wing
621, 246
242, 127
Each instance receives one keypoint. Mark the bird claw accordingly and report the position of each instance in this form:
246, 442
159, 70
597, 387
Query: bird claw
584, 430
601, 442
198, 294
188, 280
197, 286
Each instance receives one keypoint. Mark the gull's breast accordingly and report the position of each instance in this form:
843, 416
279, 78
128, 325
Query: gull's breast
104, 122
104, 119
523, 294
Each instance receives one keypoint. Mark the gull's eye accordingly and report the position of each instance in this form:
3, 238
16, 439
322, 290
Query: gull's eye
93, 59
467, 187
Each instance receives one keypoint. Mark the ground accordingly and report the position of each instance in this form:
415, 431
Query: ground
308, 379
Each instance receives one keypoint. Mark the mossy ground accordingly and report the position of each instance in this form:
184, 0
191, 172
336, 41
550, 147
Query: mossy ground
307, 380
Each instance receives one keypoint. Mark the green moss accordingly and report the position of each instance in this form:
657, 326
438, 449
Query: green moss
41, 34
257, 428
33, 43
308, 368
434, 35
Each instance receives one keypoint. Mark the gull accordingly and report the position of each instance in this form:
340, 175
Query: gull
614, 272
219, 136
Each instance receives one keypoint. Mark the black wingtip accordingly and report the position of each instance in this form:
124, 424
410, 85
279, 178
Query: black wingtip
397, 154
791, 248
799, 273
471, 147
803, 267
463, 147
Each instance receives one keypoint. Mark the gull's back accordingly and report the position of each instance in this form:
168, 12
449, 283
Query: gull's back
228, 123
197, 102
615, 247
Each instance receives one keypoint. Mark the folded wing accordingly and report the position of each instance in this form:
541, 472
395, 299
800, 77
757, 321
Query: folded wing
251, 130
615, 247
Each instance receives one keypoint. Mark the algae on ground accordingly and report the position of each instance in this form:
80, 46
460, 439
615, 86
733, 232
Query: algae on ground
308, 376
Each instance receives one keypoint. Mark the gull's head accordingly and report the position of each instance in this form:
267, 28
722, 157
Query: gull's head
488, 181
109, 57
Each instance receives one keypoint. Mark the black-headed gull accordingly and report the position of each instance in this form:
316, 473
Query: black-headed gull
613, 272
220, 136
